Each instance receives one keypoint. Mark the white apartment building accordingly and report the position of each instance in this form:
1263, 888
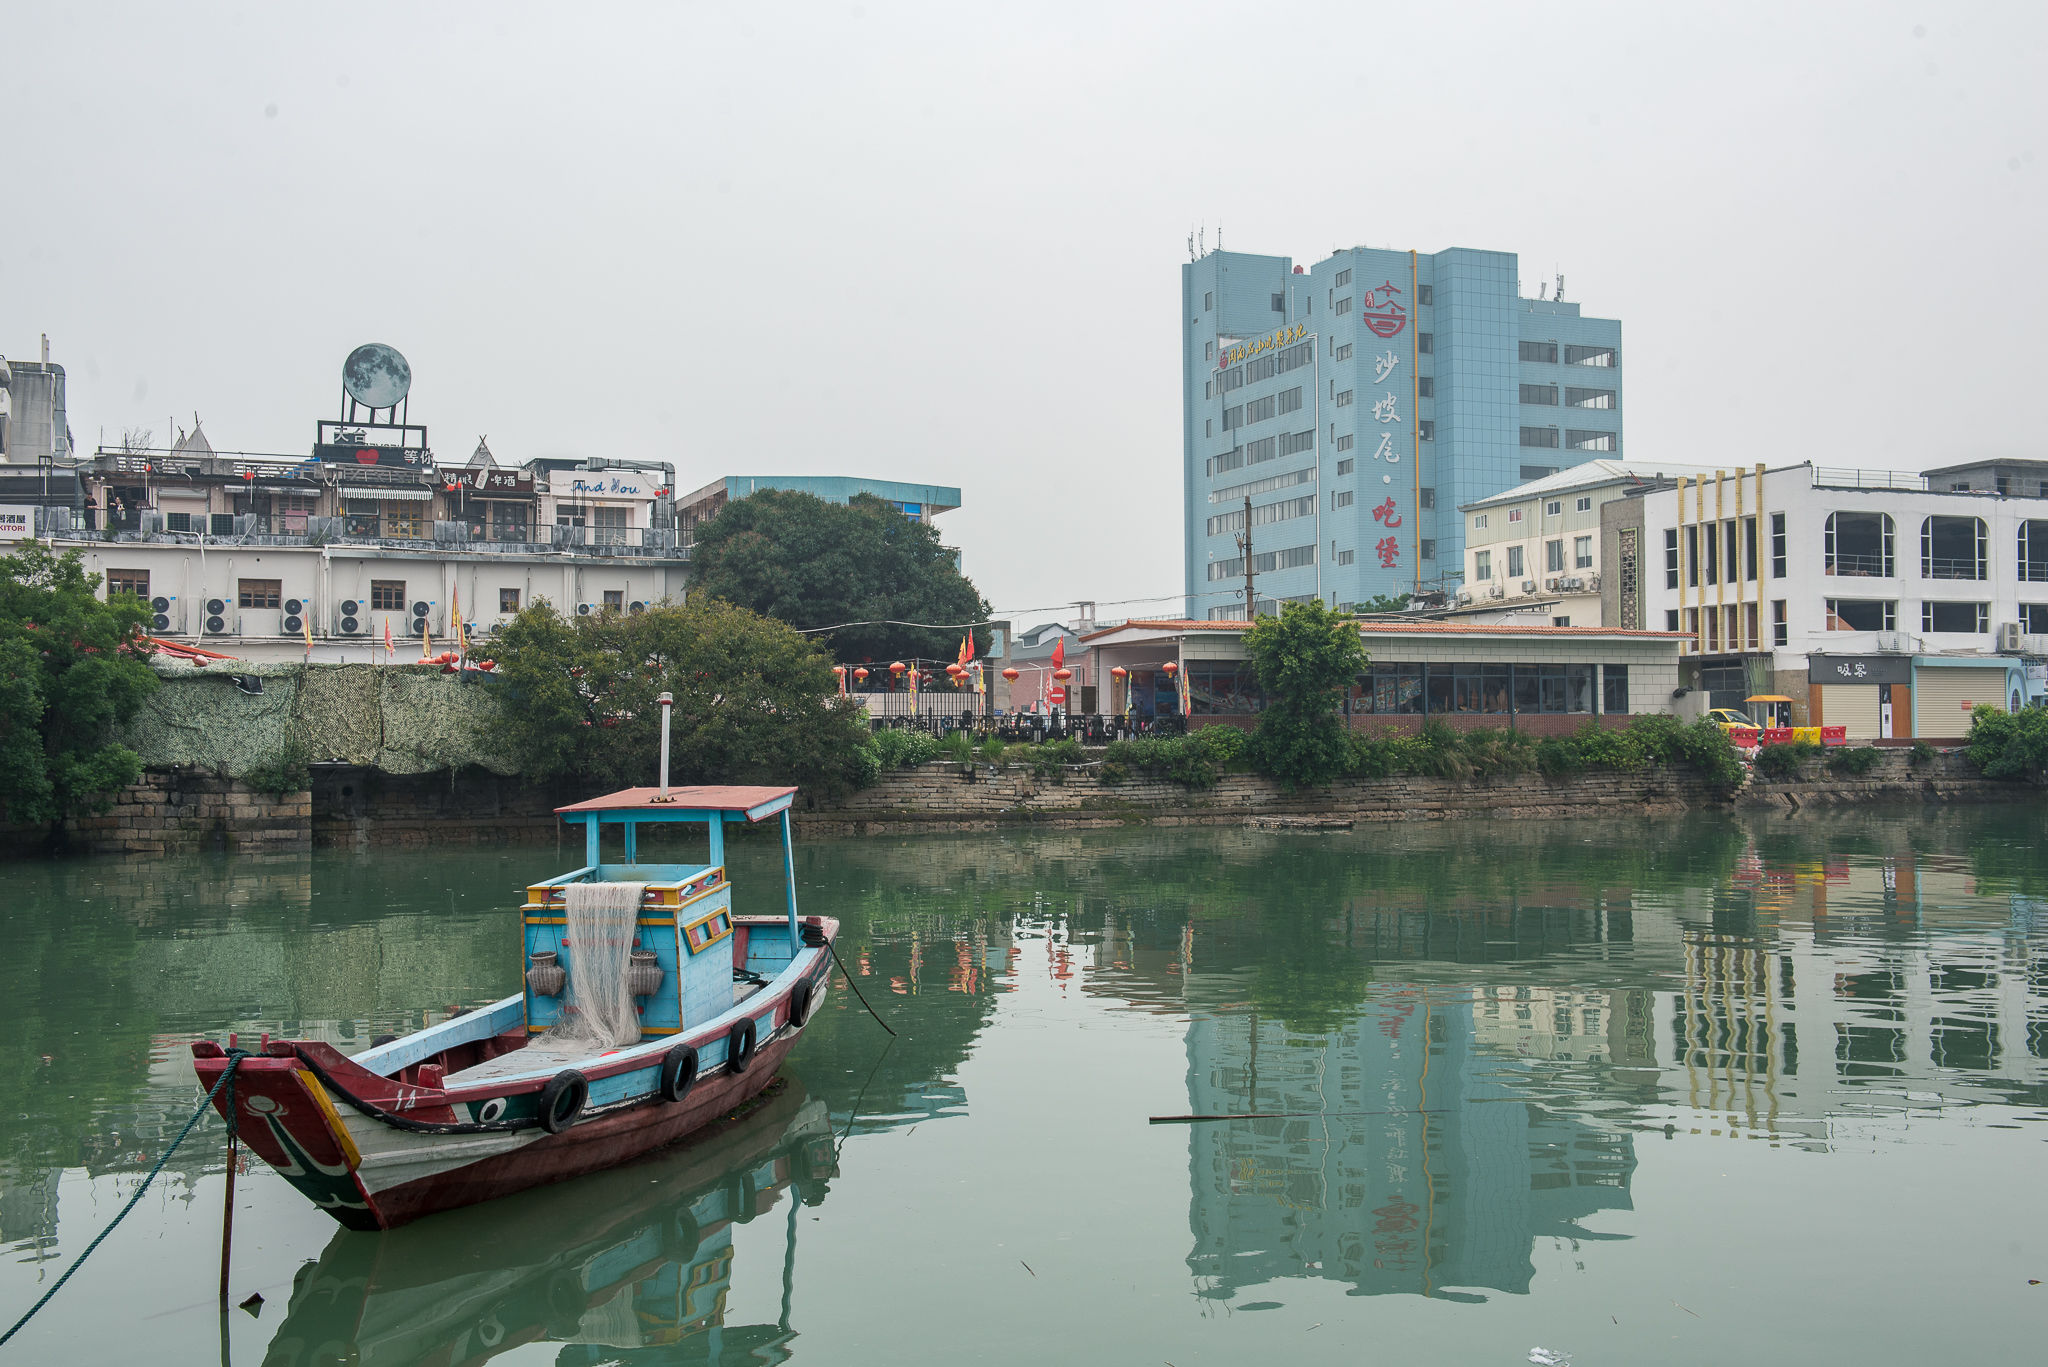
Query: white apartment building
1871, 599
1537, 545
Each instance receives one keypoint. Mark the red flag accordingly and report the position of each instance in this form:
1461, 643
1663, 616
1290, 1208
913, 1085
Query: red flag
1059, 653
967, 648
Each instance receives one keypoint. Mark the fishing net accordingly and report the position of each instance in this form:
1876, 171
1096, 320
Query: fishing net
598, 1008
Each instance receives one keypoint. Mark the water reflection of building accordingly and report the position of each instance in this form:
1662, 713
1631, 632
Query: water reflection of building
1421, 1165
1804, 1034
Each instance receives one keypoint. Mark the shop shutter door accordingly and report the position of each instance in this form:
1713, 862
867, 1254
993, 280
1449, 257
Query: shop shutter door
1944, 697
1853, 706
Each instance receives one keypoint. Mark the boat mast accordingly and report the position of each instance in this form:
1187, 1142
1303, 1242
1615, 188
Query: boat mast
789, 875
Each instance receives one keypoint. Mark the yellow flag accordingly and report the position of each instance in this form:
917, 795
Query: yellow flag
426, 641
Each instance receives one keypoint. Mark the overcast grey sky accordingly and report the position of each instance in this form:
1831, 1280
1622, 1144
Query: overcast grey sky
941, 241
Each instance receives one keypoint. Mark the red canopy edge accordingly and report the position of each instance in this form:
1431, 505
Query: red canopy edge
755, 802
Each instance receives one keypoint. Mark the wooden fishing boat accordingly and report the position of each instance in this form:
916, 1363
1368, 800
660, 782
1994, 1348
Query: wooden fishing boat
649, 1010
636, 1264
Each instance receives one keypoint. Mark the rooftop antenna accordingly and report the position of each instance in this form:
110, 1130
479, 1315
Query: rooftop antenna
1203, 238
1191, 247
1560, 284
1543, 290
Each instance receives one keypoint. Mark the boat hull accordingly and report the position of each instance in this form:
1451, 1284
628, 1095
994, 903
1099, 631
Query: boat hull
378, 1150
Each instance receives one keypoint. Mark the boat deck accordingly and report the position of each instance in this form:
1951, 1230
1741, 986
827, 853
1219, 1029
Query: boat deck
541, 1054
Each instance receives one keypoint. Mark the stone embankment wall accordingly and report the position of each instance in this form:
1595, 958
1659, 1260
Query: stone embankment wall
938, 796
353, 808
1945, 776
187, 814
941, 796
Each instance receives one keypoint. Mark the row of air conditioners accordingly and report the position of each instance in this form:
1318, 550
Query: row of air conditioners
636, 607
222, 617
1569, 583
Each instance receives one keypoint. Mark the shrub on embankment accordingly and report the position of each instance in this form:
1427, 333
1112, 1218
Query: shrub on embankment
2010, 744
1439, 751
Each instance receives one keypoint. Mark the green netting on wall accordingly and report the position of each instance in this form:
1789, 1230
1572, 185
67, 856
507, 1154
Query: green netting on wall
401, 720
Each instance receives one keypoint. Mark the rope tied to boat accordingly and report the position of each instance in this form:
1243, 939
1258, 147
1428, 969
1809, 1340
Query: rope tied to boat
856, 988
234, 1057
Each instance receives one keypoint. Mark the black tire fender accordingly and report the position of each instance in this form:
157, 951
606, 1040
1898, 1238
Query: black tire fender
678, 1072
562, 1100
683, 1235
739, 1047
742, 1199
800, 1002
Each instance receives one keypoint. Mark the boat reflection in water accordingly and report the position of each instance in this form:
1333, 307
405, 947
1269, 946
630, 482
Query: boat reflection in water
631, 1265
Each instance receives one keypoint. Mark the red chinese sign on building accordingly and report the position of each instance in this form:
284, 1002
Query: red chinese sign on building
1390, 552
1380, 312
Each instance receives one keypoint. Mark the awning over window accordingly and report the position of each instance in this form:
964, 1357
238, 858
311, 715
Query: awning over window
370, 493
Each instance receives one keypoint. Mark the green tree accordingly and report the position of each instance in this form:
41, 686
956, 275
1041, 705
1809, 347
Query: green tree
801, 560
754, 701
71, 670
2010, 744
1304, 658
1382, 603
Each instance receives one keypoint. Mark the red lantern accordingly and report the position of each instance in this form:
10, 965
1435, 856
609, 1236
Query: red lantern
1010, 674
1170, 668
1119, 673
840, 670
1063, 674
897, 668
860, 676
956, 670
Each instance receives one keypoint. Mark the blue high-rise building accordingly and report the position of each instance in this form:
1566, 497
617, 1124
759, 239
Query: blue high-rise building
1358, 402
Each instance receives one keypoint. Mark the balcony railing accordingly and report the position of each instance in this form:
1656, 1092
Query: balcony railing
1843, 477
1932, 567
395, 533
1862, 566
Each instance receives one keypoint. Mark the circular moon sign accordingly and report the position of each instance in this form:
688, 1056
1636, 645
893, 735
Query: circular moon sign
376, 375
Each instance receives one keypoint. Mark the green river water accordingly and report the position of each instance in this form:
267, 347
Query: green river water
1710, 1090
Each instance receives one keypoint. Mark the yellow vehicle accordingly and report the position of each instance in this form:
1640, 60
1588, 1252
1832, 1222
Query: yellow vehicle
1728, 716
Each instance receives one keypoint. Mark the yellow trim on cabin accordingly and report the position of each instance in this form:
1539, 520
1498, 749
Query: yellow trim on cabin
708, 892
325, 1105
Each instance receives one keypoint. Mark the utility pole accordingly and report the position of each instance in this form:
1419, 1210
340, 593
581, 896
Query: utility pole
1244, 549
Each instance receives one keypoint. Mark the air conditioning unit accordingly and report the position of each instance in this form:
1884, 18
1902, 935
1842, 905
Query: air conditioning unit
1593, 582
1464, 596
2009, 637
1551, 584
1575, 584
294, 607
1528, 586
292, 625
216, 622
585, 609
1497, 591
350, 618
636, 607
162, 620
421, 609
418, 626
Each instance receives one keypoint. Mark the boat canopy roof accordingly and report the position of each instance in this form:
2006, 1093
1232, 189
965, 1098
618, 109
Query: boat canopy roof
732, 802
